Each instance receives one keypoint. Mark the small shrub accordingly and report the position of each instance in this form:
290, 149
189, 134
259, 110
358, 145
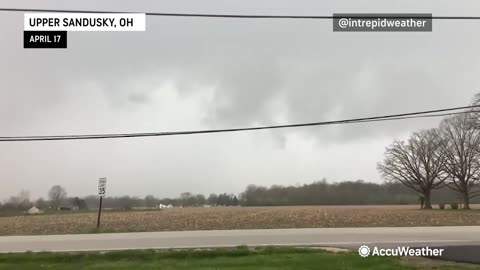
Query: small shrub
454, 205
441, 206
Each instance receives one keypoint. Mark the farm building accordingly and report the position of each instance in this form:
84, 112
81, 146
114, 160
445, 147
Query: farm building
34, 210
165, 206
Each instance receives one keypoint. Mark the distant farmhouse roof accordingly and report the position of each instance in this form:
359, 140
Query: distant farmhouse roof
34, 210
165, 206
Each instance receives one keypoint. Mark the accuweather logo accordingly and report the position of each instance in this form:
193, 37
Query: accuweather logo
365, 251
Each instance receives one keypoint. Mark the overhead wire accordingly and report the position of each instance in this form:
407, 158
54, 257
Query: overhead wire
401, 116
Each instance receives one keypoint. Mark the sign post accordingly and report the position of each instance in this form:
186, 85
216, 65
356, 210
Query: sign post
102, 190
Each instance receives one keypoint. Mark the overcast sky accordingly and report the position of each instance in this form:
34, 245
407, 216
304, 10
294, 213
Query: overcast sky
199, 73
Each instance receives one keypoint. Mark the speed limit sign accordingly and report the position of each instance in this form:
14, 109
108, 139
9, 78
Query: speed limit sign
102, 190
102, 187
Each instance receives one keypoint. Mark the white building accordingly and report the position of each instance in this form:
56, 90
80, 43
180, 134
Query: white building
34, 210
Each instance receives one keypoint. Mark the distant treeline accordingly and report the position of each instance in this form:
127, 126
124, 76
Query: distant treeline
185, 199
317, 193
58, 200
341, 193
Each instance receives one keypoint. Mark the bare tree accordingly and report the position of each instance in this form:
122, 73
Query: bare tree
56, 195
417, 163
21, 201
475, 112
151, 201
212, 199
461, 147
41, 203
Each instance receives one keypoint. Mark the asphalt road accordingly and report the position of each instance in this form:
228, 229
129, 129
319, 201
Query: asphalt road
466, 254
331, 237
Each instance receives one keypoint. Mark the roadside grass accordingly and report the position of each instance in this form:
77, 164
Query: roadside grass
244, 258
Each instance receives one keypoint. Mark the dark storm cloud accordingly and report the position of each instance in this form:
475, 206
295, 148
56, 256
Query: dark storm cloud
250, 63
191, 73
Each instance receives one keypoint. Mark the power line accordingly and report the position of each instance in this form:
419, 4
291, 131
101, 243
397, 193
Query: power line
237, 16
422, 114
